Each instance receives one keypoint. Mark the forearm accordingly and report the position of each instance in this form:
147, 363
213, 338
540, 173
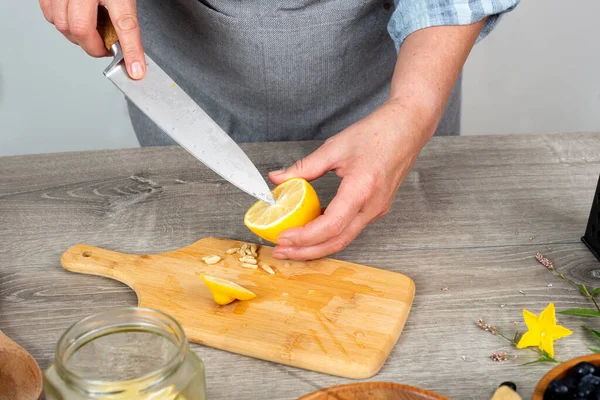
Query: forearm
428, 65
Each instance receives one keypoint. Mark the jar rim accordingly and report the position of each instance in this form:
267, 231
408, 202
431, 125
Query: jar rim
70, 341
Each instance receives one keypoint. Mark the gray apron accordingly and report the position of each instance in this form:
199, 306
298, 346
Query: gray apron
275, 70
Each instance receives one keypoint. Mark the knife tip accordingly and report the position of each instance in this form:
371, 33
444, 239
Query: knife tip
267, 198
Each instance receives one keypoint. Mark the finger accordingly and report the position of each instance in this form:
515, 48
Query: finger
46, 6
311, 167
59, 17
342, 210
82, 17
324, 249
123, 15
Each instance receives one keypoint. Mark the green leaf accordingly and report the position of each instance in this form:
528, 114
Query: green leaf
581, 312
547, 356
596, 291
541, 360
584, 290
593, 332
594, 350
515, 338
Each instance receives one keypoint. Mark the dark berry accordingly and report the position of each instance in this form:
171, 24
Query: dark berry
583, 368
571, 382
589, 386
549, 396
559, 389
510, 385
585, 390
593, 379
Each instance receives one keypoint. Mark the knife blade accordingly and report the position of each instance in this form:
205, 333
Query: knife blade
175, 113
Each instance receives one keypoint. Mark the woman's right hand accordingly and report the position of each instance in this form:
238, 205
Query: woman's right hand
77, 20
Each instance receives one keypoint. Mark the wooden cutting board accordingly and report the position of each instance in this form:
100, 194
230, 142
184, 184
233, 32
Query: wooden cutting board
326, 315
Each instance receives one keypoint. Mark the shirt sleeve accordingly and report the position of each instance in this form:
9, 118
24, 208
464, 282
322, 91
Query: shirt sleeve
411, 15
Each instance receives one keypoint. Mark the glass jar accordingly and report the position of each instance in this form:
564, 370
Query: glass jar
125, 353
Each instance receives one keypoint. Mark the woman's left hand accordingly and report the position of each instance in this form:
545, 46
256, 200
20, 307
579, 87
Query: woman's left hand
373, 157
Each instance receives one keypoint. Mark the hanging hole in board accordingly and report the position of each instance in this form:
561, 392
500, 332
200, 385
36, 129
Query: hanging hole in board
87, 254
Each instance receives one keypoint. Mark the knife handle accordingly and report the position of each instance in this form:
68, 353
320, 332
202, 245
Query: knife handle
105, 28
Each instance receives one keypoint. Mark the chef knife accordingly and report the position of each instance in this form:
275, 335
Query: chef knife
173, 111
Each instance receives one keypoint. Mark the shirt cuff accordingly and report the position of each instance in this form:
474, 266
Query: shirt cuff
411, 15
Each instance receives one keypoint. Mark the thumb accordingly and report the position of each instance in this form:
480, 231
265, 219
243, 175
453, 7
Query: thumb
124, 16
310, 168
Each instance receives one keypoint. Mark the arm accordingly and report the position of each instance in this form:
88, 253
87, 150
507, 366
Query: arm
374, 155
428, 65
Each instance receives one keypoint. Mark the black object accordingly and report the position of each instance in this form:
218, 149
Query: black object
592, 232
510, 385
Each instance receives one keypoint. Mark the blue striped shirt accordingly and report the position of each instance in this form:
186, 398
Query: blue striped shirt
411, 15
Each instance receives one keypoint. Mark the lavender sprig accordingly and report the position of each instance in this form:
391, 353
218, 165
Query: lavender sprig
503, 356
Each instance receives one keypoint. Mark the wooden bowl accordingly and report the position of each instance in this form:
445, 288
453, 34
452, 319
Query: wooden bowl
373, 391
560, 371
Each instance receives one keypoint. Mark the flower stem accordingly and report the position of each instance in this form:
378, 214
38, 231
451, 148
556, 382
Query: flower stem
549, 265
595, 303
581, 288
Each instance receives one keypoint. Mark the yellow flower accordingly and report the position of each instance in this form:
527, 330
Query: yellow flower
542, 331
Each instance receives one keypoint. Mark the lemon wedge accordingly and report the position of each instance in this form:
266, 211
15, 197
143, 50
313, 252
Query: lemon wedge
224, 291
296, 204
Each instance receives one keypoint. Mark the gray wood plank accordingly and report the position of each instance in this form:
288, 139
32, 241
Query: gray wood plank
461, 193
470, 217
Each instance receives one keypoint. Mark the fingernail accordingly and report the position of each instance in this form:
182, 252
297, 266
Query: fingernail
280, 256
136, 70
284, 242
278, 172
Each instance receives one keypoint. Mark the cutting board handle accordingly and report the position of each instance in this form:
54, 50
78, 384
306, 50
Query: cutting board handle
92, 260
105, 28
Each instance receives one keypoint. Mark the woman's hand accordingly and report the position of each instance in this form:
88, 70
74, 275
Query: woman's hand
77, 19
372, 156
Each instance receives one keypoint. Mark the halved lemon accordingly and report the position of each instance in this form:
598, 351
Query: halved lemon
296, 205
224, 291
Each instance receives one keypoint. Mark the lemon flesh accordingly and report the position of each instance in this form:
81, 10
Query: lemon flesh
224, 291
296, 204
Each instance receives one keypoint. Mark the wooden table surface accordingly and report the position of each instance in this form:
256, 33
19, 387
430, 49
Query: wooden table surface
465, 226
